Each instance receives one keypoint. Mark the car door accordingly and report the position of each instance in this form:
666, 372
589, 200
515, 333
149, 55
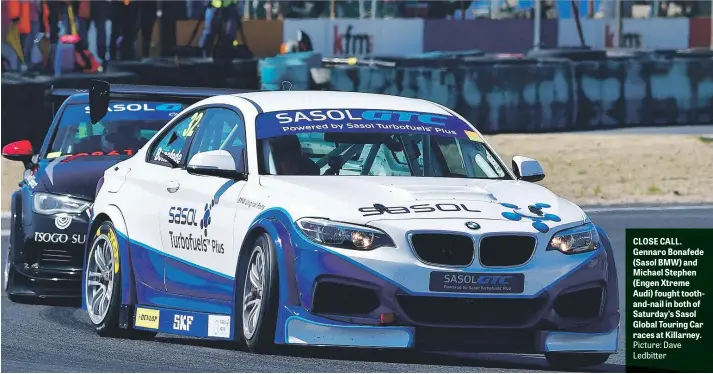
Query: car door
146, 188
198, 233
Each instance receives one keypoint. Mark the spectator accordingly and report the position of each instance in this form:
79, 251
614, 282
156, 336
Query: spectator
98, 12
171, 11
217, 12
57, 13
26, 15
147, 15
123, 29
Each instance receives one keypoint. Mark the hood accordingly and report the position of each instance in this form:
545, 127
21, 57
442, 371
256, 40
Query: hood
73, 176
361, 199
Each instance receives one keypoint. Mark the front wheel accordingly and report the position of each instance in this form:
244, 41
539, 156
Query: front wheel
258, 299
571, 361
102, 282
9, 270
9, 276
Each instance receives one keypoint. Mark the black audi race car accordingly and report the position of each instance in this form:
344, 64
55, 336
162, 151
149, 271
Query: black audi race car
49, 212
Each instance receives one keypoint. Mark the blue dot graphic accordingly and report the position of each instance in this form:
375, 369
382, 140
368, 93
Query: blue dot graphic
552, 217
541, 227
512, 216
538, 222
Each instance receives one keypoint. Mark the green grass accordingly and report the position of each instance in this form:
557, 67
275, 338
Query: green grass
706, 139
597, 190
654, 190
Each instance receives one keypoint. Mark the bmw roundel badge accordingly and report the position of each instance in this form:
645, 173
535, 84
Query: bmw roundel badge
472, 225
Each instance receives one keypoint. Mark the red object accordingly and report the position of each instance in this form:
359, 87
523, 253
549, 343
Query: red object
699, 35
69, 39
387, 318
85, 60
20, 10
18, 148
128, 152
84, 10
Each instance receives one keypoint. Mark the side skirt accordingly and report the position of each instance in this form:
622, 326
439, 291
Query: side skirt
183, 322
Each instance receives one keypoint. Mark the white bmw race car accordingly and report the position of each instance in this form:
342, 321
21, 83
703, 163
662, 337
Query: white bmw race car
343, 219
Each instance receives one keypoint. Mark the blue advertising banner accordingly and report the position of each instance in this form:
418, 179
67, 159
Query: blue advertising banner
272, 124
125, 111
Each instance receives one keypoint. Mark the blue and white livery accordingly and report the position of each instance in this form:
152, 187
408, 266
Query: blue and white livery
345, 219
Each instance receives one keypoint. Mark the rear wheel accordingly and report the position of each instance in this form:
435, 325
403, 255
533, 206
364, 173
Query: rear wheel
258, 299
562, 360
102, 284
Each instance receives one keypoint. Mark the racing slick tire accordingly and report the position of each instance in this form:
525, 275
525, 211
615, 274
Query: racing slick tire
569, 361
9, 278
9, 275
258, 295
102, 284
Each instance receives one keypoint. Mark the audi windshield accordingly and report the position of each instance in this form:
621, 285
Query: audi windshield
125, 128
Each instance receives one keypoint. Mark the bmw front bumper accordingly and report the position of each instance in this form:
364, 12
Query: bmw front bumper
333, 299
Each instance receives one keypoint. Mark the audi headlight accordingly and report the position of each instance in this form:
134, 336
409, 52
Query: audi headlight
578, 239
48, 204
343, 235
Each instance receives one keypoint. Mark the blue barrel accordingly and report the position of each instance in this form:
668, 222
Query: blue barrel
292, 67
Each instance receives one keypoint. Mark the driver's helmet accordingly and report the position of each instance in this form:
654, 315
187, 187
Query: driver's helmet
115, 137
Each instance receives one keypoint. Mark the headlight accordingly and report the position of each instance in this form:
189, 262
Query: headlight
48, 204
344, 235
578, 239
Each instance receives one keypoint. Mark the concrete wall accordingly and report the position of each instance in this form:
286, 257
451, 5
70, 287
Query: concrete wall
554, 96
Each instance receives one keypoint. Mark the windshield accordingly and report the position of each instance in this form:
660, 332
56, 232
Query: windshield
373, 142
126, 127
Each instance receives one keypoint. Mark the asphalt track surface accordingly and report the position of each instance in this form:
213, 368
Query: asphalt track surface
59, 338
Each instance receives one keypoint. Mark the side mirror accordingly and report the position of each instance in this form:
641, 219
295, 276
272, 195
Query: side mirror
98, 100
19, 151
527, 169
218, 163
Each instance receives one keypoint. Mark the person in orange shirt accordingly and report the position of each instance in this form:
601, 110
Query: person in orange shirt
26, 15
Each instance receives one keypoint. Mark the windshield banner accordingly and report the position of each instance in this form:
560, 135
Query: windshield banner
291, 122
129, 110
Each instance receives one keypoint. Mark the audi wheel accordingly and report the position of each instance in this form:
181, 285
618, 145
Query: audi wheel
9, 270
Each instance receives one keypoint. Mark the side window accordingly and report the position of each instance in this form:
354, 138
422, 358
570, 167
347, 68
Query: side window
221, 129
173, 143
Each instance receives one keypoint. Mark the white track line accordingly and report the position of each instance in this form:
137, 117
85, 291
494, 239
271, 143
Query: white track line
647, 208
